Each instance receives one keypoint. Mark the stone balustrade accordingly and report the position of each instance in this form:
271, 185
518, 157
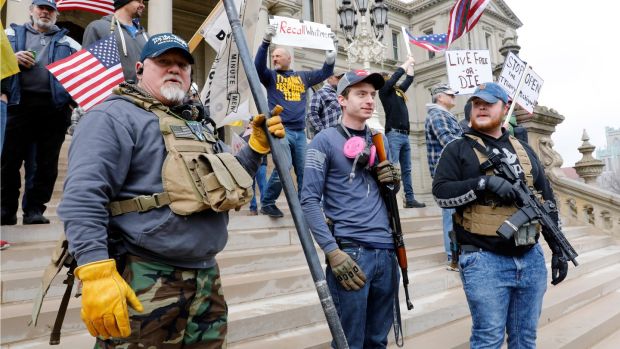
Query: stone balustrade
578, 201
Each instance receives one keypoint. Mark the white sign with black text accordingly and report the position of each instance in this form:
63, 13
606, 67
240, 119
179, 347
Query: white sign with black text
512, 72
468, 69
293, 32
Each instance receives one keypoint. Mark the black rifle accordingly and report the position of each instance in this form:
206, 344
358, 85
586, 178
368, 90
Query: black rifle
389, 196
530, 207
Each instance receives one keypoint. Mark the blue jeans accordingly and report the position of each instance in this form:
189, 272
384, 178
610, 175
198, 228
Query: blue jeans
505, 295
400, 152
295, 143
260, 179
367, 315
446, 215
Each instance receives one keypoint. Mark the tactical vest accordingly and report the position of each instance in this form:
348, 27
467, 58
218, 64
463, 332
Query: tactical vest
195, 176
484, 219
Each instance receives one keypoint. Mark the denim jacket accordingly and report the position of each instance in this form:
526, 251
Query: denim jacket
61, 46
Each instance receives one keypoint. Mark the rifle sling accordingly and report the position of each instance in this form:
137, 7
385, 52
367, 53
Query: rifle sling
62, 310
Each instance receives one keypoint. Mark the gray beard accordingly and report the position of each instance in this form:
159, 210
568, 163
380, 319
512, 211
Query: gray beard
43, 25
173, 94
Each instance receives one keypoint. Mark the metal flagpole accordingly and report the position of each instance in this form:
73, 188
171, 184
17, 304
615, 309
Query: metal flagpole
279, 157
406, 39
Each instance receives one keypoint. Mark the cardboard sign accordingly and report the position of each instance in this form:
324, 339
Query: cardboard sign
511, 75
293, 32
468, 69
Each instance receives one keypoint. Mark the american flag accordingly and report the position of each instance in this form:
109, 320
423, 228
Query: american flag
431, 42
90, 74
102, 7
464, 16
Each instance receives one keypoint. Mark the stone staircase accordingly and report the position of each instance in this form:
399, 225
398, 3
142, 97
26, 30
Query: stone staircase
273, 303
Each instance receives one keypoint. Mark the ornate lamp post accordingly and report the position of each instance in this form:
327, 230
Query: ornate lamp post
364, 47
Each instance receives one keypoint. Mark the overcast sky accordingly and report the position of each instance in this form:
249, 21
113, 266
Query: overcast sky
573, 47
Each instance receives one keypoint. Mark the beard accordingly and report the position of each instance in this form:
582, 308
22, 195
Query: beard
486, 125
46, 25
173, 94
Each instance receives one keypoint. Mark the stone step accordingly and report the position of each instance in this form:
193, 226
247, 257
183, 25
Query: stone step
247, 274
597, 276
585, 327
610, 342
426, 316
426, 296
309, 311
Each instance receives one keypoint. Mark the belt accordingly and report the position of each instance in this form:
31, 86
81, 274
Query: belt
347, 243
405, 132
470, 248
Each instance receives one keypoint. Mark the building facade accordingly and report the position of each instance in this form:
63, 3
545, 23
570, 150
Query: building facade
495, 30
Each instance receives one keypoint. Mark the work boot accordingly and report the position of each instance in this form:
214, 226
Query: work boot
272, 211
414, 204
35, 217
8, 220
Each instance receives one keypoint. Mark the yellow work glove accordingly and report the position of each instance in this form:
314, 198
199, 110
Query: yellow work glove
258, 139
346, 271
104, 299
387, 173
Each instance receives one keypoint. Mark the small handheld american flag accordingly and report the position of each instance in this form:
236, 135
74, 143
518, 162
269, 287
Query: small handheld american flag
90, 74
431, 42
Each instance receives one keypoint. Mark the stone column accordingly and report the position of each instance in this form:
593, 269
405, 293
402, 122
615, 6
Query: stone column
17, 11
160, 16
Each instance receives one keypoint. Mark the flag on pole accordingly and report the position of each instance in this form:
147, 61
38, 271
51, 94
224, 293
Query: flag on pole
431, 42
214, 29
90, 74
9, 61
464, 16
227, 91
102, 7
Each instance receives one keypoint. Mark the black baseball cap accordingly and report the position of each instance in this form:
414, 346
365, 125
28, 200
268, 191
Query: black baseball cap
353, 77
159, 44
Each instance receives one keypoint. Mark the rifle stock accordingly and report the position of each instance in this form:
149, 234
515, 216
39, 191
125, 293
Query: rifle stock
389, 197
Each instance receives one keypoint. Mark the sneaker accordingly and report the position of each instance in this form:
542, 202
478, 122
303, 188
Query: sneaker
414, 204
272, 211
4, 244
35, 218
452, 267
8, 220
253, 213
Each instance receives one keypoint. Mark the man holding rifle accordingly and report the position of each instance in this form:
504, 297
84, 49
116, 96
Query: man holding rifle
362, 272
504, 275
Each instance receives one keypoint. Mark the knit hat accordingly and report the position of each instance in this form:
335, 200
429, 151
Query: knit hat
120, 3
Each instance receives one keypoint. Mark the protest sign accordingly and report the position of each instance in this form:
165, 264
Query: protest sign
293, 32
513, 72
468, 69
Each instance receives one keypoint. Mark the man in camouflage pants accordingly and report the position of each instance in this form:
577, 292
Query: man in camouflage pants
127, 211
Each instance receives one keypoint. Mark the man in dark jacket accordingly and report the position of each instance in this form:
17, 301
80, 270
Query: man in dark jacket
394, 103
39, 109
130, 35
504, 279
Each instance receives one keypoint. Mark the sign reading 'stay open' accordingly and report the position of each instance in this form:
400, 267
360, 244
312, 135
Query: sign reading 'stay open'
468, 69
293, 32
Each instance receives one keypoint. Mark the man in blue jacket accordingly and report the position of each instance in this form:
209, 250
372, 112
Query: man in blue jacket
39, 111
287, 88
